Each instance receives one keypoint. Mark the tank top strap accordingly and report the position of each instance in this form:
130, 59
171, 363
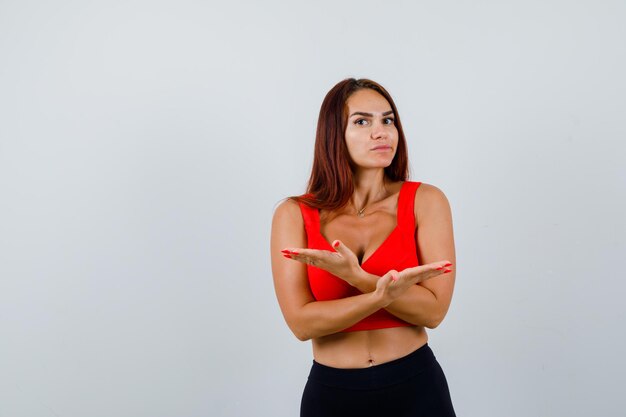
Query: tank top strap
406, 200
310, 216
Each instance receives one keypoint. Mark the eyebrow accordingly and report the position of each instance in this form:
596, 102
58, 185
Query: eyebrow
360, 113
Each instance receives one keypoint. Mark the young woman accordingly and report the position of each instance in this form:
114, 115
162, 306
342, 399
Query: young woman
363, 264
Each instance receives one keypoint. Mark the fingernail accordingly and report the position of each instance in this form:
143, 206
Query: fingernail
285, 251
439, 269
448, 264
336, 243
294, 252
287, 256
447, 270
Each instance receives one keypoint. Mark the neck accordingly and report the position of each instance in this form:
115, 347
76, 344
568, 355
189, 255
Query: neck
369, 187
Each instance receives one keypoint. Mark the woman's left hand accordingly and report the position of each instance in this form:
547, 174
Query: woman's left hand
343, 263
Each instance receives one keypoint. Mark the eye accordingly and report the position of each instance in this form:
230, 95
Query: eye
360, 122
389, 120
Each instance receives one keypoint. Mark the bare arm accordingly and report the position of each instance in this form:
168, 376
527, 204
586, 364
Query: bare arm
306, 317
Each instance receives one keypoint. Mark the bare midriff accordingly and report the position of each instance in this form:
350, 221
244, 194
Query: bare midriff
366, 348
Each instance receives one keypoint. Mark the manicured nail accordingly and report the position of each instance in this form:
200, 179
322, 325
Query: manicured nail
294, 252
448, 264
439, 269
285, 251
287, 256
447, 270
336, 244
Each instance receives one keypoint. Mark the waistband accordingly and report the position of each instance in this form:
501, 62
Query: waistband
377, 376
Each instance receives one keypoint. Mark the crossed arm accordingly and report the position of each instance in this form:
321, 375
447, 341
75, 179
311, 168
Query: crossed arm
424, 304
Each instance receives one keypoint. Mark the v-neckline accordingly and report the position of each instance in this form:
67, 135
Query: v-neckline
389, 236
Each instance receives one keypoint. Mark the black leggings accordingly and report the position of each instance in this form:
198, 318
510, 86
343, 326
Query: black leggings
411, 386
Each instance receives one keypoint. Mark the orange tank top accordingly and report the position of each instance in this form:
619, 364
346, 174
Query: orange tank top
398, 252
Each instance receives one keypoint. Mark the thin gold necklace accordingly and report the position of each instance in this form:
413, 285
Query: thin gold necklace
361, 212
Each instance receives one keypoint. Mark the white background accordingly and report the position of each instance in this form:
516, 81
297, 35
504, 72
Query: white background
144, 146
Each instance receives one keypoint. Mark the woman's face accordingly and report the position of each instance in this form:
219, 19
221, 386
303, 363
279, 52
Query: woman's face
371, 134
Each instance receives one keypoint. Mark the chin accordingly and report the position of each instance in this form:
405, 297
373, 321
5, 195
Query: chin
377, 165
374, 162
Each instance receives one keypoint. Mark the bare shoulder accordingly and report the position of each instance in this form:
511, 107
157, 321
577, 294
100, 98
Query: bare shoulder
429, 199
288, 225
288, 210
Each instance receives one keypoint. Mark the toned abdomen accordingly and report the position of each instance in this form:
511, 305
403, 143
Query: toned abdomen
367, 348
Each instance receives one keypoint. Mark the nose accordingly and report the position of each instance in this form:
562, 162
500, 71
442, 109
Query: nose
378, 131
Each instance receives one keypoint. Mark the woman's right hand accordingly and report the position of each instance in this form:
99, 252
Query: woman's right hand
393, 284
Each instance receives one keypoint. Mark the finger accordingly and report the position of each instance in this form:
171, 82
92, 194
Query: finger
289, 251
384, 281
311, 257
302, 259
394, 275
442, 264
314, 253
434, 273
299, 254
420, 273
341, 248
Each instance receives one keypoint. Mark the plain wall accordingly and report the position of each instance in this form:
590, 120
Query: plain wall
144, 146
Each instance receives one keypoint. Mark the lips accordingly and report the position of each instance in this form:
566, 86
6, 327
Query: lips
381, 147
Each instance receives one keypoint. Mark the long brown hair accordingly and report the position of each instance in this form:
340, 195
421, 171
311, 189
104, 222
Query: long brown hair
332, 183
